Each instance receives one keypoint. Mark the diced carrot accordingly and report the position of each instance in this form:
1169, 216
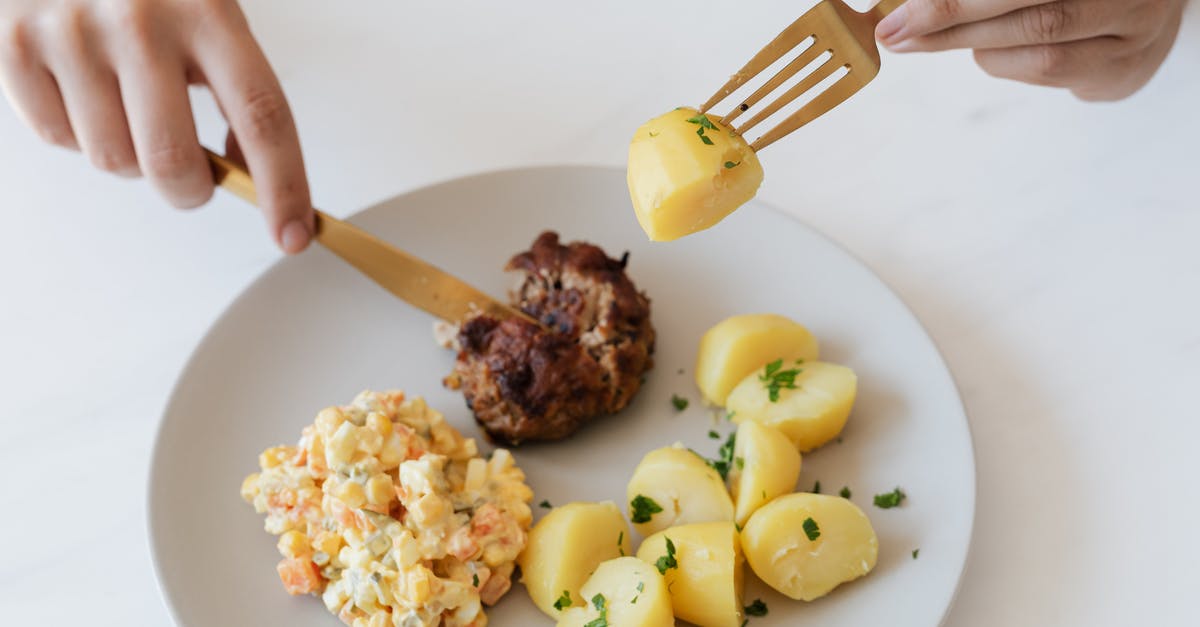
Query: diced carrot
299, 575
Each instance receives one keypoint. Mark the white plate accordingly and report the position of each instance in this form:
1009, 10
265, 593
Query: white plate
311, 333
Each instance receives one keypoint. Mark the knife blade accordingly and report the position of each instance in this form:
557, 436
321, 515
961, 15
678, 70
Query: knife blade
408, 277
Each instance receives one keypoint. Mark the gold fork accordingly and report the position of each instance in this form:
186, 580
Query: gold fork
849, 37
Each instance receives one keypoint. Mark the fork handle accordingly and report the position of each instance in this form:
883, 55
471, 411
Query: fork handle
881, 10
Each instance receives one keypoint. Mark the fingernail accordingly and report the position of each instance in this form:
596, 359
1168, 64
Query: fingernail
294, 237
888, 30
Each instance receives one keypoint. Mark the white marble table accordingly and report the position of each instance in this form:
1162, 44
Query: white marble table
1052, 249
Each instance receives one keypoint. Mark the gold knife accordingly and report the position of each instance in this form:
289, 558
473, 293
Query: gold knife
414, 280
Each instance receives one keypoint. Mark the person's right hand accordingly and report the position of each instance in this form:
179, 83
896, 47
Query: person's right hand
110, 78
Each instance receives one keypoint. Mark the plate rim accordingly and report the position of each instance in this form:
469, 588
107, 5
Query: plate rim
152, 539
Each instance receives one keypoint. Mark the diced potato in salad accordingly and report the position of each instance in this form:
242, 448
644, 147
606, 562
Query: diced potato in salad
392, 516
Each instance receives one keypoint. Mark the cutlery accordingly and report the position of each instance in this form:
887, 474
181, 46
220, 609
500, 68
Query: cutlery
833, 27
413, 280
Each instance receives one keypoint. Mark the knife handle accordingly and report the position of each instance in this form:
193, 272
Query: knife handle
233, 177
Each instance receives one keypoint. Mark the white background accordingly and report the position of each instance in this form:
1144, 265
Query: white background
1050, 247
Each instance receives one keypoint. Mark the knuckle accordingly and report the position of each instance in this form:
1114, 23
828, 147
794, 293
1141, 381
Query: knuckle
1050, 64
15, 41
946, 10
1047, 22
112, 159
134, 20
266, 114
169, 163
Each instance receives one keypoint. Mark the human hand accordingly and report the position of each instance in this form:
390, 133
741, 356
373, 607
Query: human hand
1099, 49
110, 78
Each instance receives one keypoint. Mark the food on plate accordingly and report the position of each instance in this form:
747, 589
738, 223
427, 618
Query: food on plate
566, 546
525, 382
702, 566
623, 592
765, 465
739, 345
687, 172
674, 486
391, 516
805, 545
808, 401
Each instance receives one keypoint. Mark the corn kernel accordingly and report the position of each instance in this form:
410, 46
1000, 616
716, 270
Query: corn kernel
476, 474
293, 544
351, 494
275, 456
379, 490
250, 488
340, 448
379, 423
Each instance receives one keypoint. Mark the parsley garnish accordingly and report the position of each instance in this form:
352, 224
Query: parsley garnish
732, 164
563, 601
916, 552
667, 562
653, 134
704, 123
775, 379
641, 587
621, 542
600, 604
845, 493
739, 462
816, 488
642, 508
545, 505
679, 402
724, 457
891, 499
729, 416
811, 529
757, 608
713, 435
475, 580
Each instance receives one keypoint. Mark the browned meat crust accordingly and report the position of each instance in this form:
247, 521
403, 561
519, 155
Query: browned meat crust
526, 383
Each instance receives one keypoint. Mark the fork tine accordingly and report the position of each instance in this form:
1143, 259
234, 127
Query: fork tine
837, 93
823, 72
784, 43
809, 55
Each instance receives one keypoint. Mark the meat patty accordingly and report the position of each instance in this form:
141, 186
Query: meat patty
524, 382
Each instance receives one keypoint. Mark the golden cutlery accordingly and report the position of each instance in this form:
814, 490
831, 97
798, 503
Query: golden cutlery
415, 281
847, 35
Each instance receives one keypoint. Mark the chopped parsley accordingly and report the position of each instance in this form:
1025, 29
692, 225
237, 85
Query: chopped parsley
563, 601
916, 552
667, 562
713, 435
545, 505
729, 416
679, 402
811, 529
724, 457
891, 499
729, 165
642, 508
845, 493
775, 378
757, 608
621, 543
475, 580
653, 134
705, 124
600, 604
641, 587
816, 488
739, 462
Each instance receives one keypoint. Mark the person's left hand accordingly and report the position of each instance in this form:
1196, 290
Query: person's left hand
1099, 49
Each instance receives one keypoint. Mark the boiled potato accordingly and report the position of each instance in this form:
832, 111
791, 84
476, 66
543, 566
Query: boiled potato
737, 346
566, 546
627, 592
805, 545
674, 486
811, 414
681, 180
706, 583
765, 465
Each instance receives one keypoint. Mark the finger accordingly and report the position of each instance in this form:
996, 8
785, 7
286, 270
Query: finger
1053, 22
915, 18
154, 86
258, 114
32, 90
1069, 65
233, 150
92, 96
